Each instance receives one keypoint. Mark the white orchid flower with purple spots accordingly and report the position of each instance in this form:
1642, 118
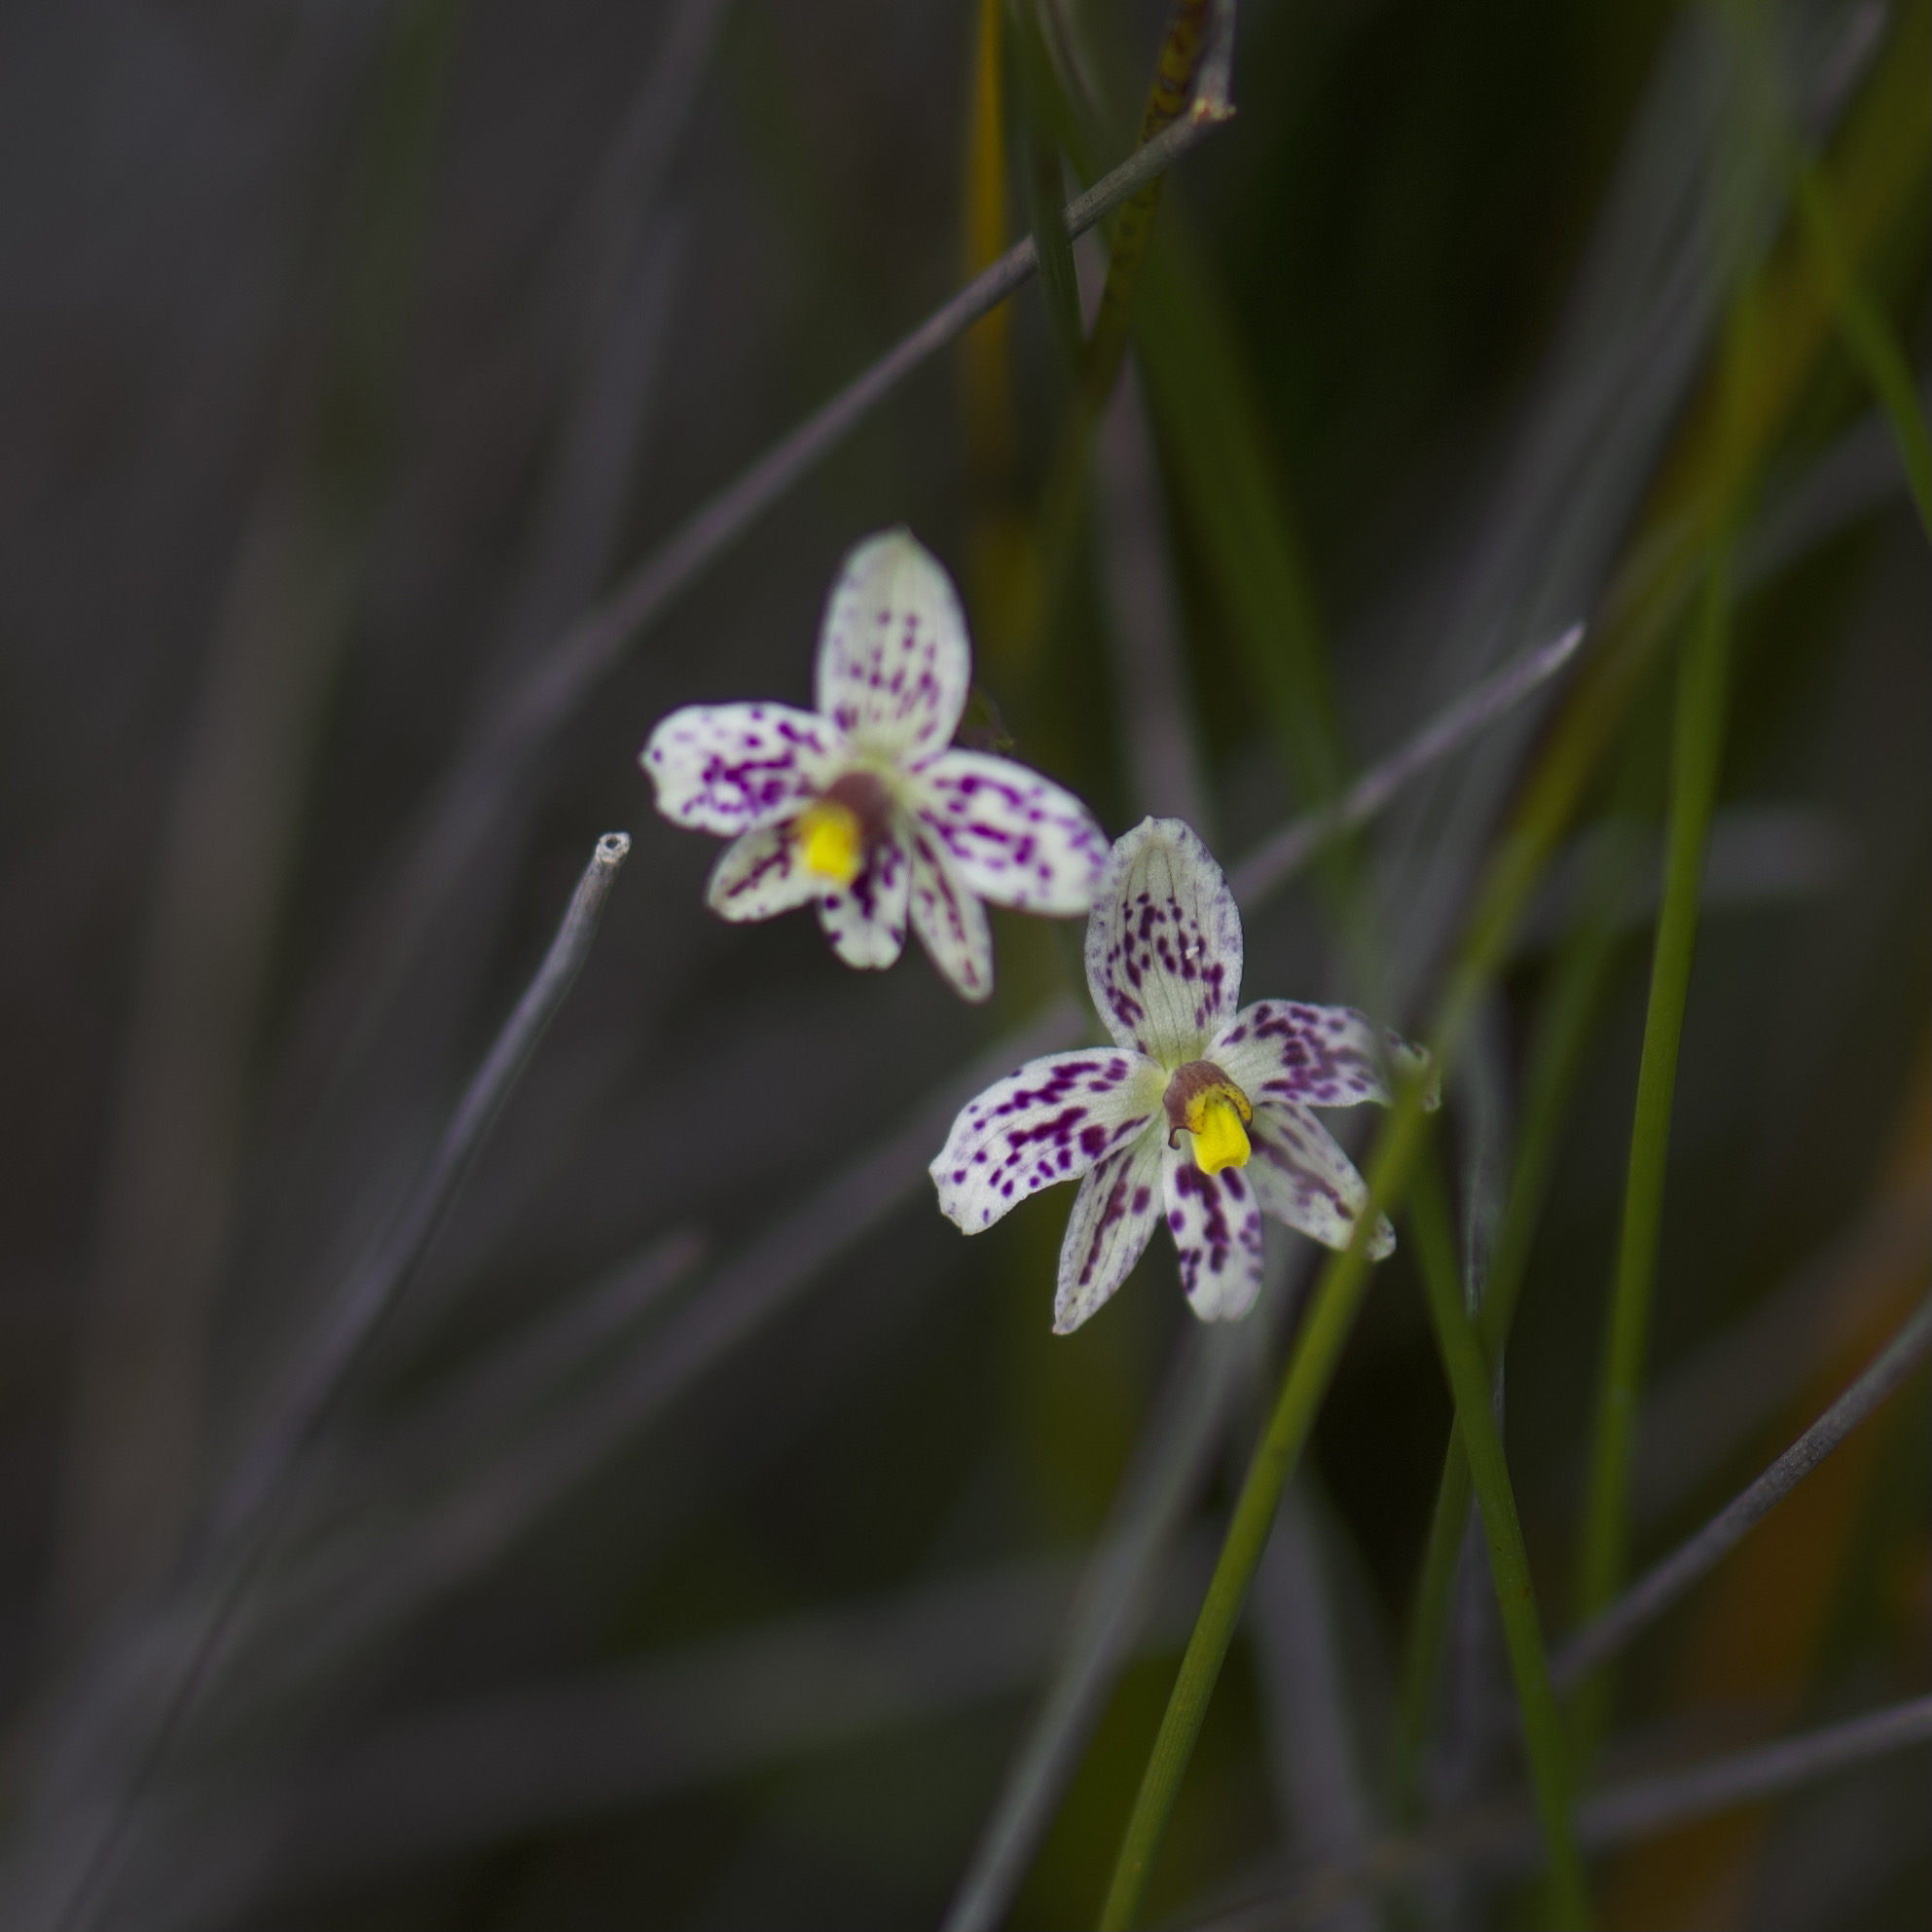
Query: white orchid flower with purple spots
861, 805
1199, 1113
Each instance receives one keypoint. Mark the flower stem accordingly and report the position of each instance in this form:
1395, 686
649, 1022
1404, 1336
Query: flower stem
1310, 1369
1697, 755
1565, 1025
1508, 1561
1867, 332
1422, 1655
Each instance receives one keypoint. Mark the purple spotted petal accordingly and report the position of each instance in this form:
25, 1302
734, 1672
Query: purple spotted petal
951, 923
1050, 1121
1109, 1231
1217, 1226
1164, 943
1320, 1056
894, 663
735, 768
1015, 837
760, 876
865, 921
1301, 1177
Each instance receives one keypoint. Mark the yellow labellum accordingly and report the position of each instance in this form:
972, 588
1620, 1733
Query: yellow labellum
1217, 1119
831, 841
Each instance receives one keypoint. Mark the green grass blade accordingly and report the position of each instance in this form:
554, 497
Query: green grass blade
1566, 1018
1037, 146
1566, 1022
1429, 1620
1868, 333
1703, 469
1311, 1367
1174, 77
1468, 1371
1697, 755
1231, 496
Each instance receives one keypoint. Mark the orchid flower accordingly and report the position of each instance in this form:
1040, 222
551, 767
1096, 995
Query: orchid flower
861, 805
1200, 1110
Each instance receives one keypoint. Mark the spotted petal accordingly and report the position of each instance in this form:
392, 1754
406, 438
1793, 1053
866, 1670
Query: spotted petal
1301, 1177
760, 876
894, 663
951, 923
865, 921
1109, 1231
1164, 943
736, 768
1216, 1222
1015, 837
1318, 1056
1051, 1121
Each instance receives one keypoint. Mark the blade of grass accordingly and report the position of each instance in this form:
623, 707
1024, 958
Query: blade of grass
1867, 332
1429, 1620
1257, 877
1311, 1367
1703, 468
1698, 751
1711, 1403
986, 357
1503, 1838
1659, 1803
1468, 1370
1565, 1024
1098, 359
1231, 496
1170, 1464
1565, 1021
234, 1543
1647, 1600
1205, 399
1038, 169
1174, 75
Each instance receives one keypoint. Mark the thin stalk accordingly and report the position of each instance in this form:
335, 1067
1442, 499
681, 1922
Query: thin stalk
1646, 1600
1697, 757
1167, 96
1566, 1022
1713, 450
235, 1545
1520, 858
1311, 1367
1160, 1487
1674, 1799
1501, 1838
372, 1292
1867, 333
1100, 357
1276, 860
1422, 1655
1468, 1371
1337, 1297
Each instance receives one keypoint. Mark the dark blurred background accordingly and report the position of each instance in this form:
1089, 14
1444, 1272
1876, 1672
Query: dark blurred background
350, 350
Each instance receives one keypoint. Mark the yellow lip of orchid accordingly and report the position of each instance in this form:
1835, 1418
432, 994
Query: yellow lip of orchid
1202, 1101
1220, 1137
831, 840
